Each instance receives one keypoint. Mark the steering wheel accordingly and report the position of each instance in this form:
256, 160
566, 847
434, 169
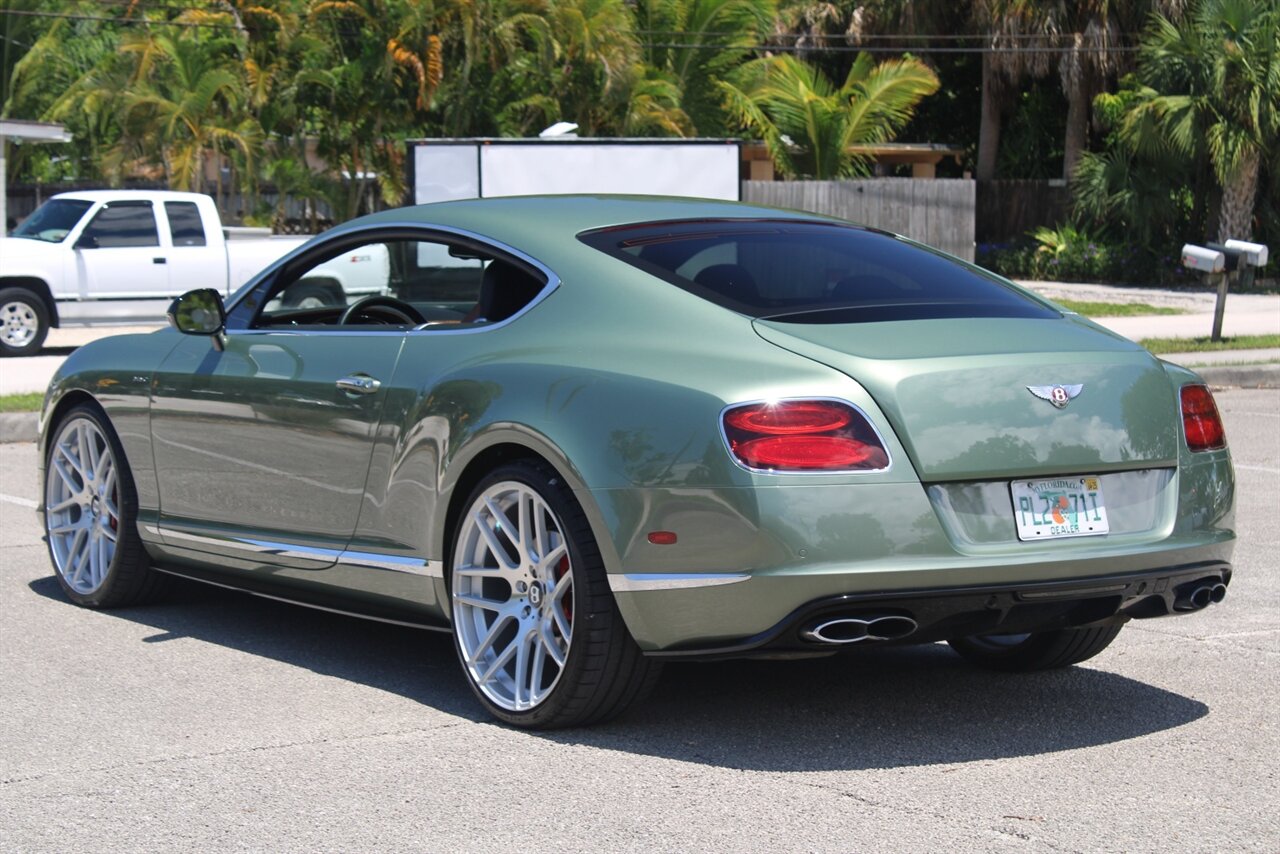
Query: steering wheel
382, 309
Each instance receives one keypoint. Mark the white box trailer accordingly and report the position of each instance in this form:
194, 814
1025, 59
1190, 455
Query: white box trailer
445, 169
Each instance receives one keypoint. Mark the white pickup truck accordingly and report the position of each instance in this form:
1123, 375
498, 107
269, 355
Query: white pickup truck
120, 256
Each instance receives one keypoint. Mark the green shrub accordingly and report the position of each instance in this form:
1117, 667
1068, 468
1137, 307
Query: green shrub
1069, 254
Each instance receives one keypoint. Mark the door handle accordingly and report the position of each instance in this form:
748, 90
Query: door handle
159, 261
359, 384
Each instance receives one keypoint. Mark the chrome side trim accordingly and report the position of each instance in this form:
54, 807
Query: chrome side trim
254, 546
637, 582
341, 557
394, 563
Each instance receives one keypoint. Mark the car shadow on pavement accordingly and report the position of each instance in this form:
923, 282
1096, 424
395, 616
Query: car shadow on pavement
880, 707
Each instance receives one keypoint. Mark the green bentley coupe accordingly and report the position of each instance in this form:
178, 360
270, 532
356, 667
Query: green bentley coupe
586, 435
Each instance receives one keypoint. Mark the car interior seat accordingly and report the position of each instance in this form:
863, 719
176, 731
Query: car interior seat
504, 290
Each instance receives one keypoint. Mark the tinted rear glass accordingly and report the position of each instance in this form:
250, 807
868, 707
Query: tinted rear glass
185, 226
804, 272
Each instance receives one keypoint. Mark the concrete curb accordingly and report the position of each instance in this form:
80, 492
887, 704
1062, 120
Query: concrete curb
1240, 376
18, 426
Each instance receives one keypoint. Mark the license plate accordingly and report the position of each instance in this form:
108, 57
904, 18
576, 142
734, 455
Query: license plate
1060, 507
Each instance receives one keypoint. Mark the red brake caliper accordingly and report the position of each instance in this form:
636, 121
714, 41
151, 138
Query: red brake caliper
561, 568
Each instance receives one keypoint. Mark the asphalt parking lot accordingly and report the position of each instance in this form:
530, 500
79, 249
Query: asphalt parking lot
221, 721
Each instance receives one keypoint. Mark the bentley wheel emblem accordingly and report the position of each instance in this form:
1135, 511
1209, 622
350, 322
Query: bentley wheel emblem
1058, 395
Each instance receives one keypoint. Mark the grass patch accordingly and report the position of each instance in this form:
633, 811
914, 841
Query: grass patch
1116, 309
1230, 364
1160, 346
21, 402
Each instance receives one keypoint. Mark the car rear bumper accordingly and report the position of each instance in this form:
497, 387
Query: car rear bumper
734, 613
925, 616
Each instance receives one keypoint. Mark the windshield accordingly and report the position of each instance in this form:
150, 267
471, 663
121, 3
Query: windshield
812, 272
53, 220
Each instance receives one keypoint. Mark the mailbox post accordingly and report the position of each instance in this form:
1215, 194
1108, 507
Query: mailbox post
1219, 262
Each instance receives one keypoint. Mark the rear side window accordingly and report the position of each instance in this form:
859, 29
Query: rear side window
124, 224
809, 272
185, 224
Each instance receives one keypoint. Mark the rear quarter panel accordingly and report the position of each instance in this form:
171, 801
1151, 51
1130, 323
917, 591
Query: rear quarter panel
619, 384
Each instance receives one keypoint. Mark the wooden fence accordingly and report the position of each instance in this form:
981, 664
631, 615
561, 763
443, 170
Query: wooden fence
937, 212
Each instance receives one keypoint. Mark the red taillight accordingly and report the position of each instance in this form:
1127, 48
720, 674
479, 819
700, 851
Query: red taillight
793, 417
1201, 423
803, 435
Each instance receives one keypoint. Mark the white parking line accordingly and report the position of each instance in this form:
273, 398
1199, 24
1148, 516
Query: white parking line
1258, 468
21, 502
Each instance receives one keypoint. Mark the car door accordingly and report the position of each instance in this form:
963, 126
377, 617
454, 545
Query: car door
262, 442
119, 255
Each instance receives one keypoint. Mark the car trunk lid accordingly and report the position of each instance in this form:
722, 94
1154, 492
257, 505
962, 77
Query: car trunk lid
956, 392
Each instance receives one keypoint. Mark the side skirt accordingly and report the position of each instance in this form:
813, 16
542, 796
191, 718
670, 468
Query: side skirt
379, 613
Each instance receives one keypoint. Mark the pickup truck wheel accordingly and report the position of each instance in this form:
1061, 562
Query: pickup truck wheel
24, 322
313, 295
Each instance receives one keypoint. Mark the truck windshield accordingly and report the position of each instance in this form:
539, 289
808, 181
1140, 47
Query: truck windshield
53, 220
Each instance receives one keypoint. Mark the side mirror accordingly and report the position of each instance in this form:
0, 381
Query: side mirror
86, 241
199, 312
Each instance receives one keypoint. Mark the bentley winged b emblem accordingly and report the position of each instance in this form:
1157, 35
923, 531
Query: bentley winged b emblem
1058, 395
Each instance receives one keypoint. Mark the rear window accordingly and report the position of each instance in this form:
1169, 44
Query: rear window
185, 226
809, 272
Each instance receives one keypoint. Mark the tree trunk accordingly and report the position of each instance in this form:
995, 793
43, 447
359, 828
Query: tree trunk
1238, 194
989, 130
1077, 130
217, 184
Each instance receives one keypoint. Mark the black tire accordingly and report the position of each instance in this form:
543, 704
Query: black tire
24, 322
313, 293
1035, 651
604, 671
128, 578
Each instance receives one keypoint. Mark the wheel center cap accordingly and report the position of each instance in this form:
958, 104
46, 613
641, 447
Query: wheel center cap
535, 594
95, 506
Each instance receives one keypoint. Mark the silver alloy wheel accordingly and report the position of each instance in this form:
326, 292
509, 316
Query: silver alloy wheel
18, 323
513, 596
82, 501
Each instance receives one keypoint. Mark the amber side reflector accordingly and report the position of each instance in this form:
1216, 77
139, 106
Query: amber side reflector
1201, 423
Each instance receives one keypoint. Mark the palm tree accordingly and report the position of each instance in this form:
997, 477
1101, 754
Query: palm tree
1213, 95
185, 100
809, 125
697, 43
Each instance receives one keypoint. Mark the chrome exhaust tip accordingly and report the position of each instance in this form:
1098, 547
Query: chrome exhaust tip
846, 630
1201, 596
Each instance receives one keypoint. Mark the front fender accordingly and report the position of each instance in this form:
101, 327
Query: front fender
115, 373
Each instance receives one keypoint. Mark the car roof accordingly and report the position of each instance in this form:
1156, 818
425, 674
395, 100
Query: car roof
533, 221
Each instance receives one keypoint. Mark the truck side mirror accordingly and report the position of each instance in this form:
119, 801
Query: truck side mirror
86, 241
199, 312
